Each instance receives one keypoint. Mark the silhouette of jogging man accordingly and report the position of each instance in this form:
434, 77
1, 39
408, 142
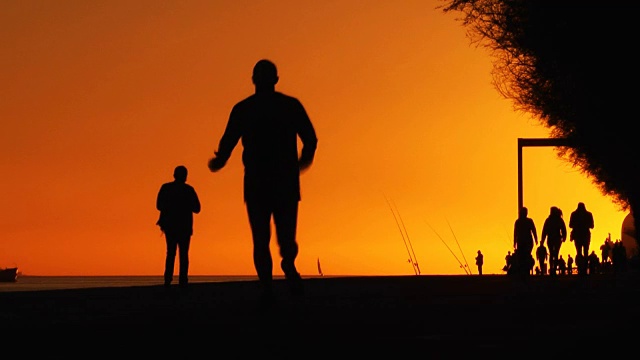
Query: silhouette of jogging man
177, 201
269, 124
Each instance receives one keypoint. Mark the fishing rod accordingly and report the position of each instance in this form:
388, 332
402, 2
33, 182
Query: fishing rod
415, 260
402, 234
445, 244
319, 268
411, 259
508, 237
459, 248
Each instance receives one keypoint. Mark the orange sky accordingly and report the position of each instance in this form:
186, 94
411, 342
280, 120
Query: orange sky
101, 100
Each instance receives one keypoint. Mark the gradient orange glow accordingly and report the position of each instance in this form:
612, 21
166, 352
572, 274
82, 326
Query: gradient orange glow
101, 100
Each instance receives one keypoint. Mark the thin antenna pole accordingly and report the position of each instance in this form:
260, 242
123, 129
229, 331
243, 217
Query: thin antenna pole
445, 244
459, 248
415, 260
402, 234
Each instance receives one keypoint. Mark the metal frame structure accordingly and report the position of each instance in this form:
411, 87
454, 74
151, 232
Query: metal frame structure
533, 142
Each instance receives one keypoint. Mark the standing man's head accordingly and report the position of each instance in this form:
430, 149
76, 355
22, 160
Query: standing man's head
265, 76
180, 173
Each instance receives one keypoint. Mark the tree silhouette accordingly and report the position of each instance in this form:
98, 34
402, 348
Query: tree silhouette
571, 65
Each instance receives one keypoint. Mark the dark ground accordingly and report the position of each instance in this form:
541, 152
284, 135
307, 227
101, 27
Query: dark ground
437, 316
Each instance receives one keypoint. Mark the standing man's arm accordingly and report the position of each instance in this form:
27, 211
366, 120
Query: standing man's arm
160, 200
309, 139
196, 202
161, 205
228, 142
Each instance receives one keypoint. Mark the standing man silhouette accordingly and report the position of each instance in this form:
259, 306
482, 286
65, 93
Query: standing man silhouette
177, 201
480, 262
269, 124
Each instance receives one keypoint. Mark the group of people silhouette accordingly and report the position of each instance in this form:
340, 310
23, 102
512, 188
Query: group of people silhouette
554, 233
269, 124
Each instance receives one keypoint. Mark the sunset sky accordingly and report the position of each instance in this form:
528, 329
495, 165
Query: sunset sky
100, 100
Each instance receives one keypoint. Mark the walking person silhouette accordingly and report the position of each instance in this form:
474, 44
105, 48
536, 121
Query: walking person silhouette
269, 123
581, 223
177, 201
554, 231
569, 264
542, 255
562, 265
524, 235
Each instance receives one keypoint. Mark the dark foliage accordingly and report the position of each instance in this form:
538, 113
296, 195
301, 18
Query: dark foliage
571, 65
